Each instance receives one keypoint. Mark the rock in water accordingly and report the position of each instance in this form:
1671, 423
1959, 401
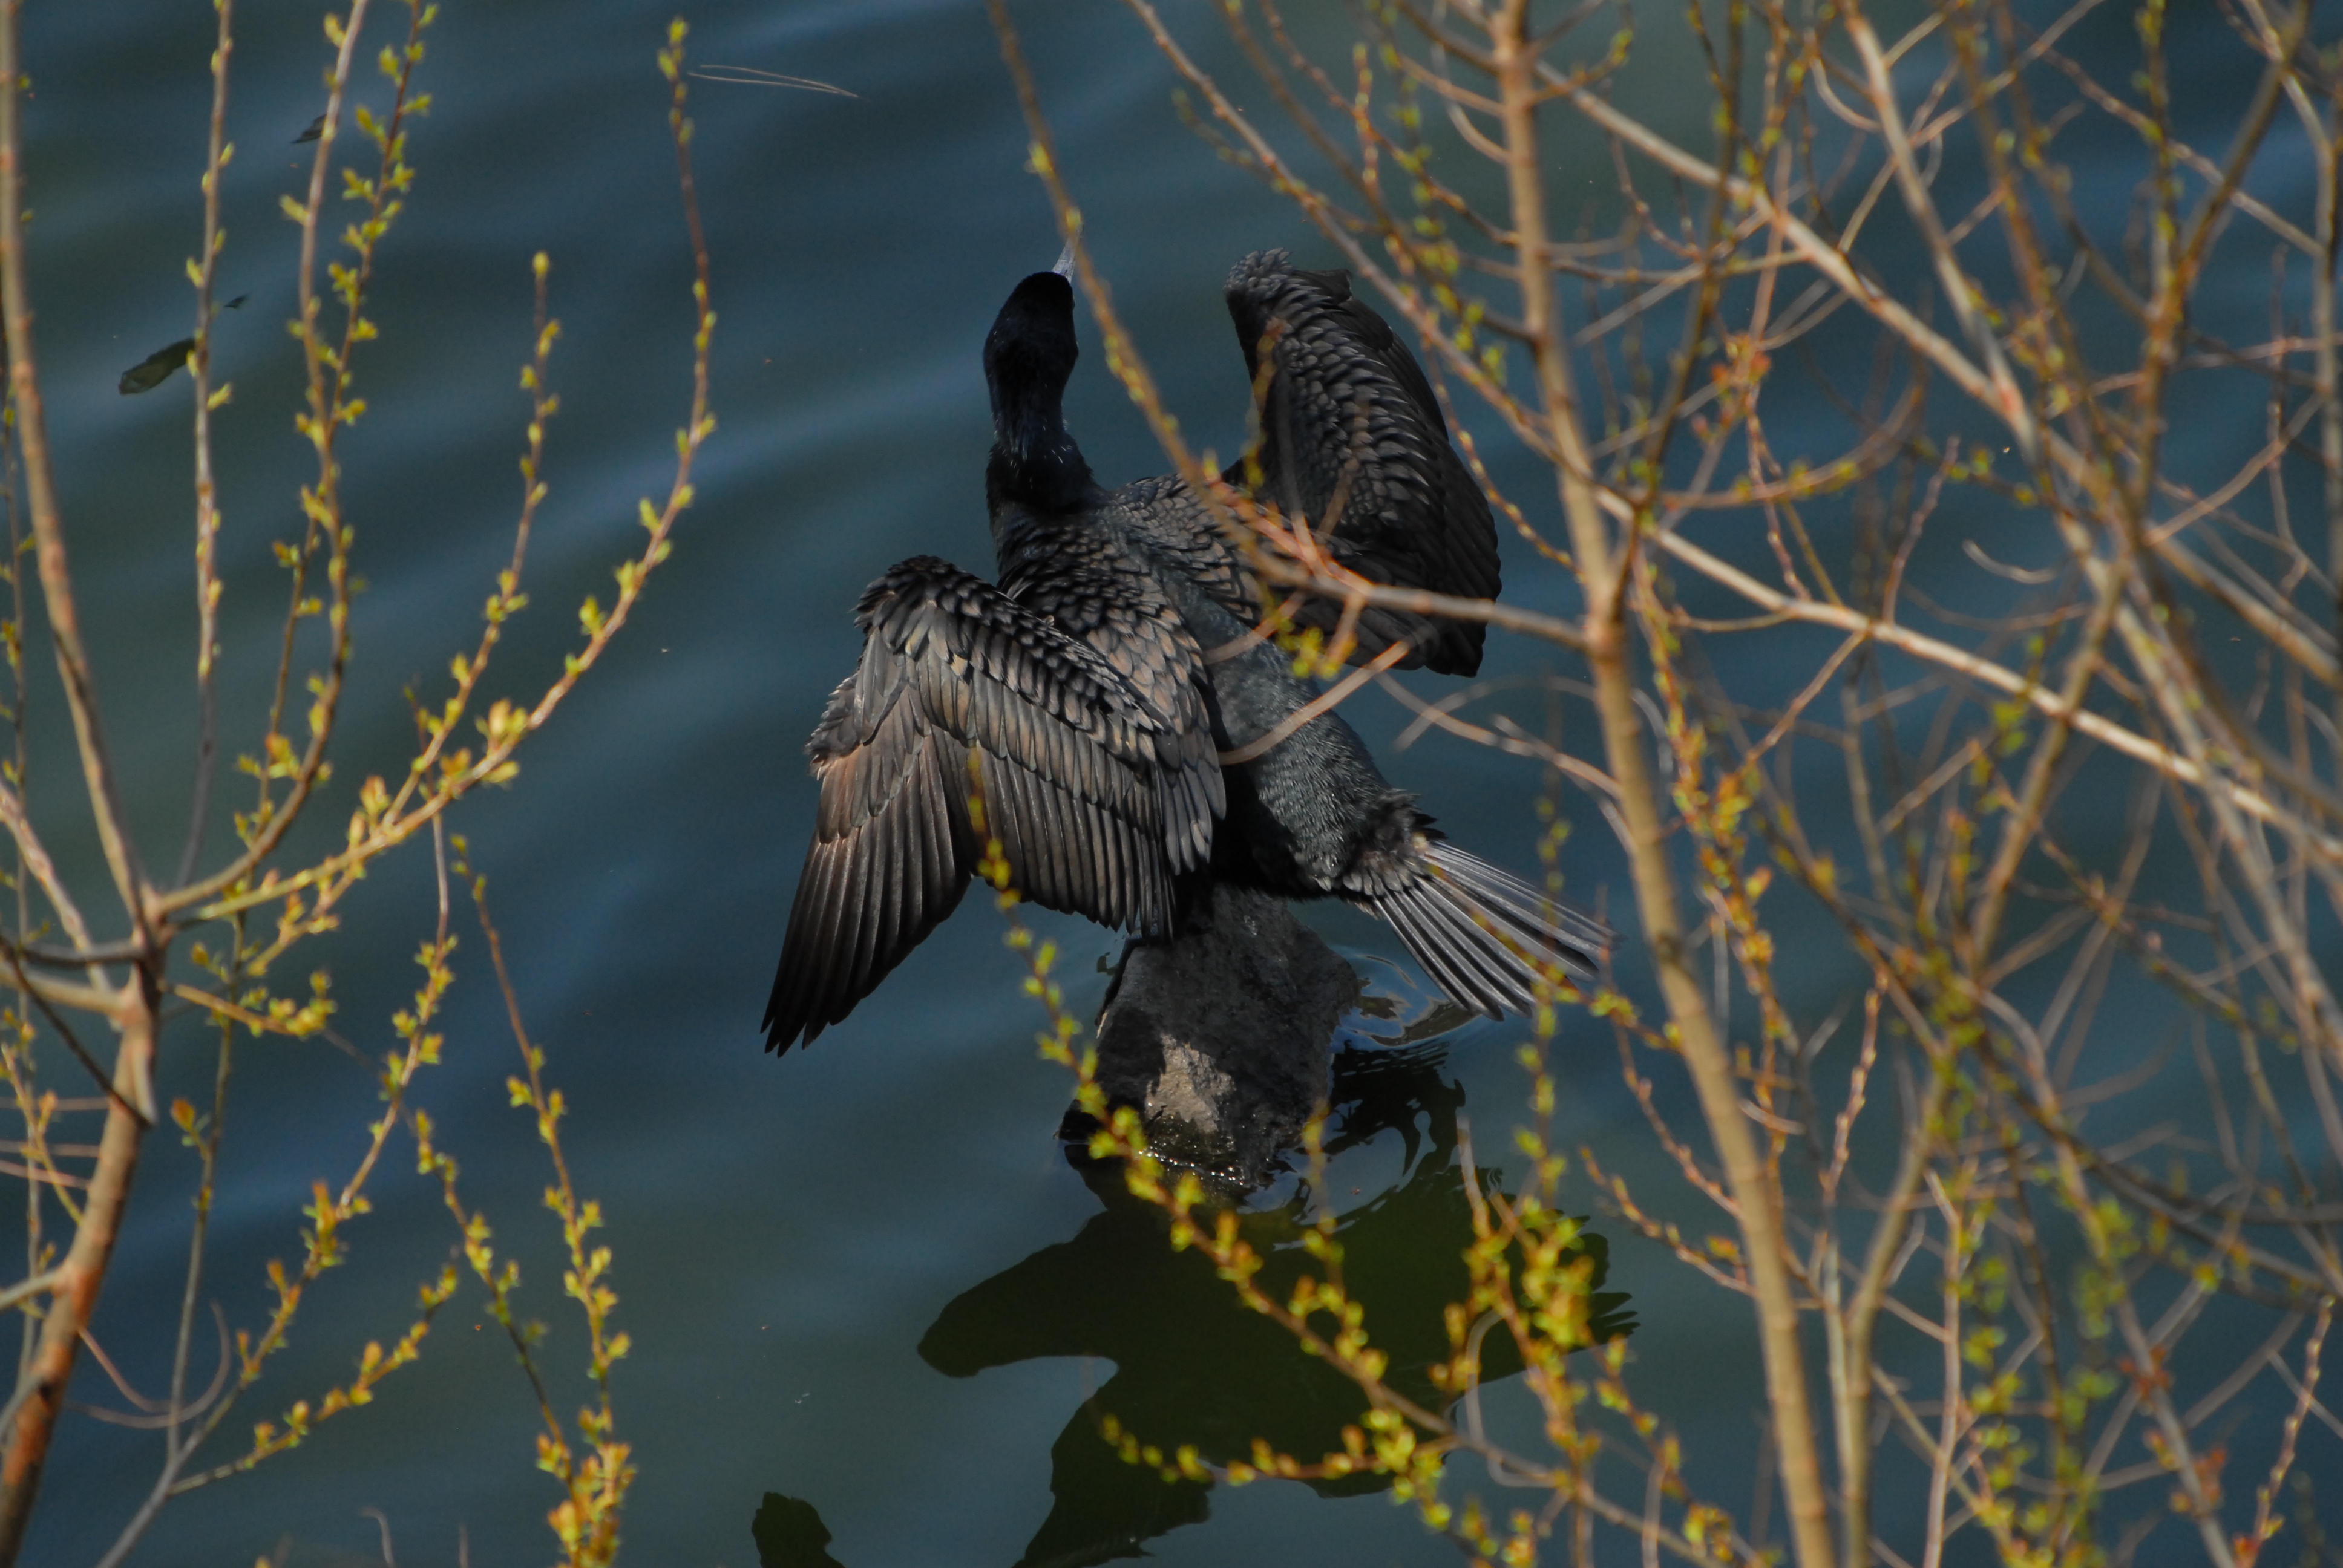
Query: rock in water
1222, 1037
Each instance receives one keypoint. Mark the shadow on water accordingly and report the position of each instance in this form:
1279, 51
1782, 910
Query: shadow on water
790, 1534
1192, 1365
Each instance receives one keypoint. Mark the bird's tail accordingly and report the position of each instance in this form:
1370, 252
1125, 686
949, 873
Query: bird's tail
1489, 939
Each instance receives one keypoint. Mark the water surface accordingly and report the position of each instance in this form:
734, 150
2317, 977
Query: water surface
797, 1242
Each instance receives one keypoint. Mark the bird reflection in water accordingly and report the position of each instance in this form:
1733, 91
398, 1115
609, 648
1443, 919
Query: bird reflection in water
1194, 1365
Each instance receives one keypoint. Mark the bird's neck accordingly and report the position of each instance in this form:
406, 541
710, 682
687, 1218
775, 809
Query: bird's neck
1035, 461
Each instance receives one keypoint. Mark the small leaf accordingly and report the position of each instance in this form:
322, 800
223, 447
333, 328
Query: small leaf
155, 368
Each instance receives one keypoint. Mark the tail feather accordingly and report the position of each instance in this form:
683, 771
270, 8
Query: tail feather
1578, 942
1487, 937
1454, 951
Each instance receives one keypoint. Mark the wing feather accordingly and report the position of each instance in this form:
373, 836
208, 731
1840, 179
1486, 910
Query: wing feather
889, 893
1085, 785
1350, 411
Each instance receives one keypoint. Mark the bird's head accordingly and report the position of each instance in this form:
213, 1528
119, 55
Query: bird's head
1027, 357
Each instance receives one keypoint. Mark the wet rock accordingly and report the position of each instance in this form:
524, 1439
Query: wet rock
1222, 1037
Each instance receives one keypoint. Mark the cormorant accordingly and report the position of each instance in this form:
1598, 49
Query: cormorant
1081, 695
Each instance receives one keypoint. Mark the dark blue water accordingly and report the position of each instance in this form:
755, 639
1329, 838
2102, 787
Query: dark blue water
787, 1235
787, 1232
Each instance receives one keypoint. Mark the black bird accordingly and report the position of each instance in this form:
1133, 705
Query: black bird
1349, 421
1081, 692
1072, 695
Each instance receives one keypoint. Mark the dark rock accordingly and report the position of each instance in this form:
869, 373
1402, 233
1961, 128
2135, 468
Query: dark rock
1222, 1037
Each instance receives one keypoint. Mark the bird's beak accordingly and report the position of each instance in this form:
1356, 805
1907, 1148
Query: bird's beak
1065, 267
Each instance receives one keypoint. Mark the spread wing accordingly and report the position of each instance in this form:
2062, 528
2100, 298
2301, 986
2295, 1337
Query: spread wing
1350, 413
959, 686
